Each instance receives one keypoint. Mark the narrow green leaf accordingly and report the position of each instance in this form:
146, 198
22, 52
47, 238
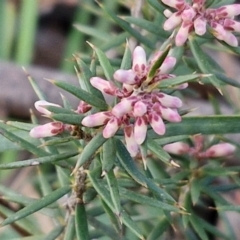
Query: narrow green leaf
28, 225
114, 191
115, 41
157, 5
195, 190
104, 228
22, 142
109, 155
130, 166
202, 124
172, 82
90, 149
187, 204
38, 161
37, 205
127, 58
21, 125
81, 222
145, 200
70, 229
104, 62
232, 208
202, 61
112, 216
159, 229
196, 223
41, 95
158, 63
82, 94
146, 25
86, 74
54, 234
6, 145
158, 150
74, 119
227, 80
102, 191
92, 31
126, 26
89, 195
60, 110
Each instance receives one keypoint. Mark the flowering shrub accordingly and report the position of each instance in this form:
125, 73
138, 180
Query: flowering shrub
132, 108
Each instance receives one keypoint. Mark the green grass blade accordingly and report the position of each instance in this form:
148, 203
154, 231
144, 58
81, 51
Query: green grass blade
27, 27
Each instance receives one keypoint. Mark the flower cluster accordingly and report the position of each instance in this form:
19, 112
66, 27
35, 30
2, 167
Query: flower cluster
197, 151
197, 17
140, 104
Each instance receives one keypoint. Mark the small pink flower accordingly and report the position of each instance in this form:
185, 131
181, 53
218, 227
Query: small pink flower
111, 127
182, 34
42, 104
140, 130
83, 107
157, 123
122, 108
139, 109
131, 143
103, 85
47, 130
170, 114
220, 150
169, 101
177, 148
96, 119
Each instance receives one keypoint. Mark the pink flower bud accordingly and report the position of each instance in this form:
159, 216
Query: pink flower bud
200, 26
177, 148
157, 123
122, 108
169, 101
131, 143
167, 65
183, 33
103, 85
83, 107
139, 109
170, 114
111, 127
139, 60
125, 76
96, 119
220, 150
42, 104
174, 3
140, 130
47, 130
228, 10
188, 14
224, 35
172, 22
232, 25
167, 13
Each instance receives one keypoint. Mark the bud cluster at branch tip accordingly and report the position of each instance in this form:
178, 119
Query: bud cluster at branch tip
139, 104
196, 17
